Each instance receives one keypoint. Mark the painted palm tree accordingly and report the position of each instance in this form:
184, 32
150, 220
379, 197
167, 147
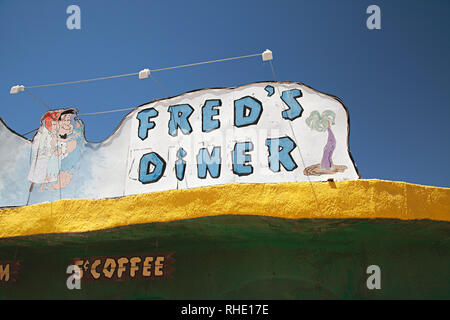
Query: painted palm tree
321, 123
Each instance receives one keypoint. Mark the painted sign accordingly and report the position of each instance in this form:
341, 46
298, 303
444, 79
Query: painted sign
265, 132
121, 268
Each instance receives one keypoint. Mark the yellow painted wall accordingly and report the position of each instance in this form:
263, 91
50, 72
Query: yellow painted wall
345, 199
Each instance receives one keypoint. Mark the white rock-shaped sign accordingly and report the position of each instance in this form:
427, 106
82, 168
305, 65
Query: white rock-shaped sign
264, 132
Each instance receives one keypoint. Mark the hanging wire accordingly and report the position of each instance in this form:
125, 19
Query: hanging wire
36, 98
137, 73
104, 112
206, 62
30, 132
159, 84
59, 162
82, 81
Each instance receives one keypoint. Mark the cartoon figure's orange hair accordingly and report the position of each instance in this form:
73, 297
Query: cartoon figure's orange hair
49, 117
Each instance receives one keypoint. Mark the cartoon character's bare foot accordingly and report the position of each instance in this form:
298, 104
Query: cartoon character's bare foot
55, 186
316, 170
68, 178
58, 184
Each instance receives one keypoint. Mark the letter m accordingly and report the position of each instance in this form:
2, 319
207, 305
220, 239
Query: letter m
4, 273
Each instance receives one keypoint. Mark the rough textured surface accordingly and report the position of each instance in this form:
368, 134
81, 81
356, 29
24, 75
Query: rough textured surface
346, 199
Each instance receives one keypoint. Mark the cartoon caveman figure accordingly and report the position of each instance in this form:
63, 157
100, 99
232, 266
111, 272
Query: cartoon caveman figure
56, 149
69, 143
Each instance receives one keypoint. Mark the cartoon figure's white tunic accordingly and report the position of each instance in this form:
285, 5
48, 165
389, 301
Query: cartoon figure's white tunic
40, 155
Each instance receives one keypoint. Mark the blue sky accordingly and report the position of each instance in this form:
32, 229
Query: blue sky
394, 81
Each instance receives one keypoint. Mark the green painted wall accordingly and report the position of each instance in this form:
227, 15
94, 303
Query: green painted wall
247, 257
